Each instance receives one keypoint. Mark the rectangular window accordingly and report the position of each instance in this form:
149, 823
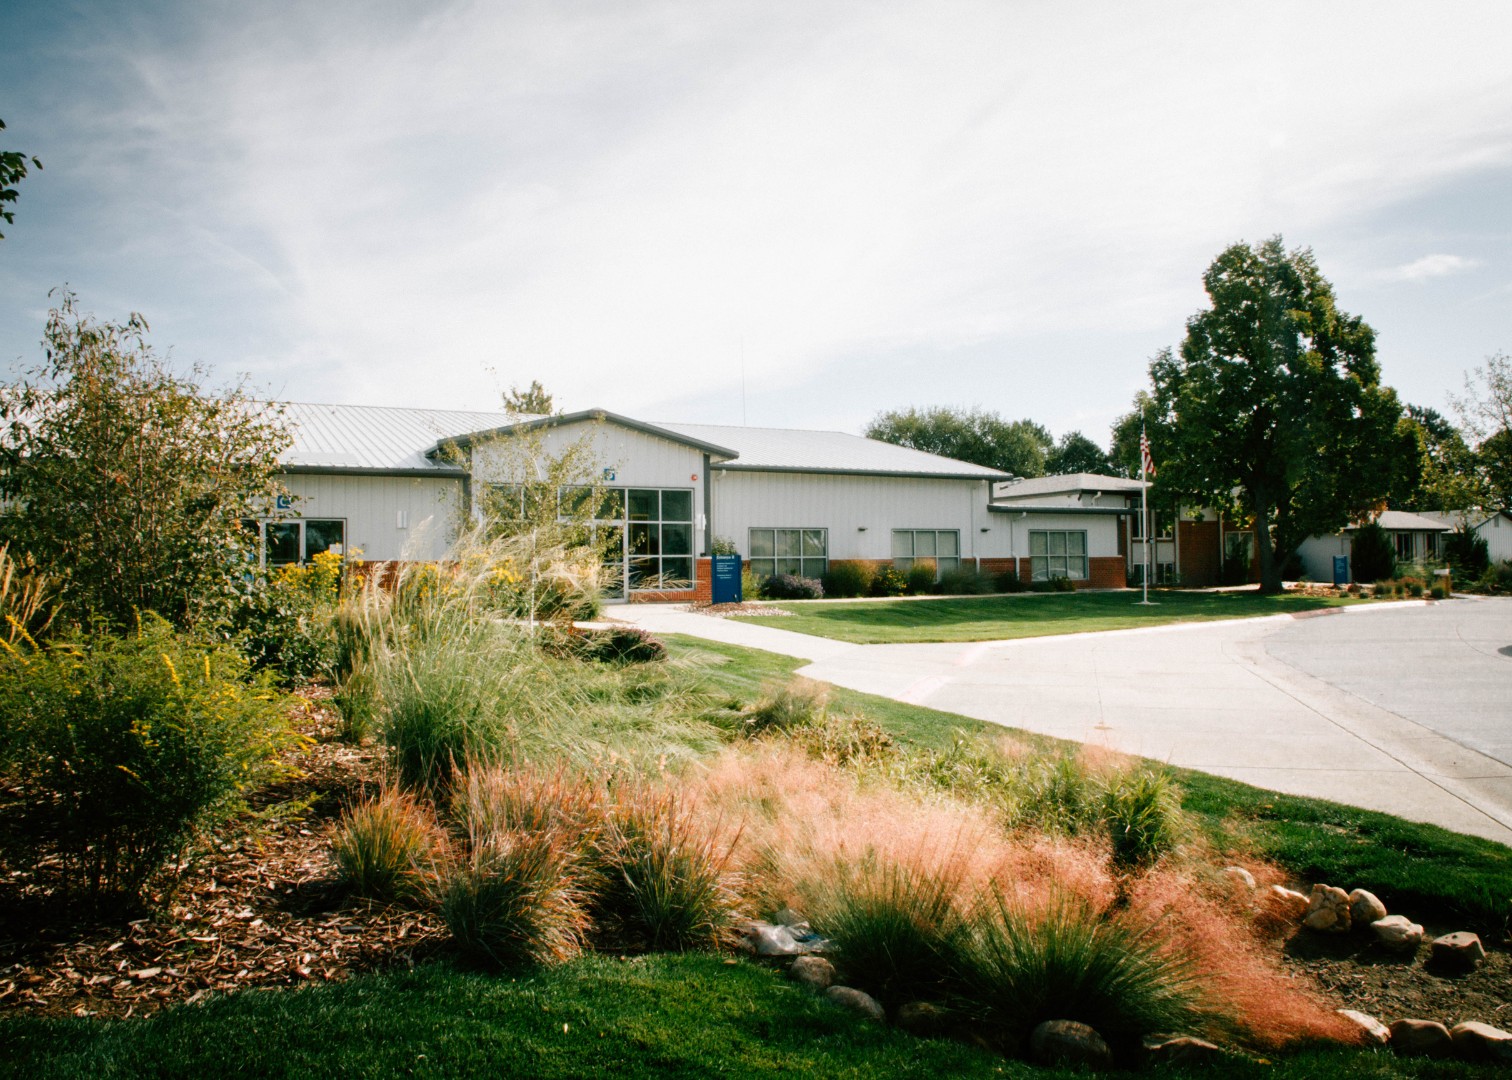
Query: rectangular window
1431, 545
298, 540
1061, 553
1404, 547
939, 546
659, 537
1163, 520
803, 552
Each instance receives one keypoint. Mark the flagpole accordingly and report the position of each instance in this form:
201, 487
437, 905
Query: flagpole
1145, 466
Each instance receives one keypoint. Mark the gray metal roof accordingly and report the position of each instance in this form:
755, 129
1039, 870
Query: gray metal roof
371, 437
603, 416
383, 439
1402, 521
795, 450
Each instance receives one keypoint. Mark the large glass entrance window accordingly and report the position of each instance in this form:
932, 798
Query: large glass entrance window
297, 540
659, 538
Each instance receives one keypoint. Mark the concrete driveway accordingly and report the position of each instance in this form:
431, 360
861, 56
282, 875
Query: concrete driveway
1405, 708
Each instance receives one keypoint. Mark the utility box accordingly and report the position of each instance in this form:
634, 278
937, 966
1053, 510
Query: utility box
725, 588
1341, 569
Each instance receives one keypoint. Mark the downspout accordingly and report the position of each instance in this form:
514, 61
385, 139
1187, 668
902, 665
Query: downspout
708, 491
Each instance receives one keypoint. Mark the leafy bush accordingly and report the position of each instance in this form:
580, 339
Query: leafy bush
1467, 552
920, 578
623, 645
287, 625
121, 748
750, 584
386, 846
1008, 581
1144, 818
845, 739
1067, 961
130, 481
1498, 577
888, 580
663, 878
1054, 584
964, 582
517, 899
1372, 556
791, 587
846, 578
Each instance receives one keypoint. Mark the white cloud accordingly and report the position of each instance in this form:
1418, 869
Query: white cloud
1433, 266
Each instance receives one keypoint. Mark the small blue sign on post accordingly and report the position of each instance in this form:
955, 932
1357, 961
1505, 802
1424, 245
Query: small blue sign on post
725, 588
1341, 569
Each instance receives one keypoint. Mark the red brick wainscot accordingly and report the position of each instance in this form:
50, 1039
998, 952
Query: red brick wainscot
702, 591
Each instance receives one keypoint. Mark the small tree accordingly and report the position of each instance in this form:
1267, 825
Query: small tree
531, 401
129, 483
1467, 552
1372, 556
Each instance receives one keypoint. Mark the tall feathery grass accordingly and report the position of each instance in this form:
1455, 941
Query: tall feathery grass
387, 847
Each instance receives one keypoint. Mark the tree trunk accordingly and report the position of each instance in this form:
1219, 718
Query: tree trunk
1270, 566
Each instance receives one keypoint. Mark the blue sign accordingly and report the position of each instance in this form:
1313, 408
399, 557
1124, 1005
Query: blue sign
725, 588
283, 502
1341, 569
609, 475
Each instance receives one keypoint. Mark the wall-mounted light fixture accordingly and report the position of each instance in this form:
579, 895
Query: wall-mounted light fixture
861, 528
986, 529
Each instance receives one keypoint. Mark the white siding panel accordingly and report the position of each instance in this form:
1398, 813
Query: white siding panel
371, 505
860, 512
1010, 533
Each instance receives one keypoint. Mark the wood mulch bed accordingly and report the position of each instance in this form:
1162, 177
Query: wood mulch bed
260, 908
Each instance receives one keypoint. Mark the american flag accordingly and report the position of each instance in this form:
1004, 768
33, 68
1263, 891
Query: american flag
1146, 462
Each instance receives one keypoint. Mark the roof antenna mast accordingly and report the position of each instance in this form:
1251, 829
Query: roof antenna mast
743, 421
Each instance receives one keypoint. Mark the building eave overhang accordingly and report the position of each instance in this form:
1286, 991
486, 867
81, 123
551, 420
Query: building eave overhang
440, 472
897, 473
466, 441
1083, 511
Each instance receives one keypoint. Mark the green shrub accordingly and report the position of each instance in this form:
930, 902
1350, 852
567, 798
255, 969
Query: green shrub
791, 587
750, 584
288, 628
386, 846
846, 739
920, 578
1467, 552
121, 748
1069, 962
663, 880
1008, 581
898, 931
517, 900
846, 578
1144, 819
1372, 556
357, 702
887, 580
964, 582
1498, 578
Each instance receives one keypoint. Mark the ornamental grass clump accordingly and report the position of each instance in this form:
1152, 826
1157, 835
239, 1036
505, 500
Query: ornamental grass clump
1064, 960
782, 709
517, 899
897, 927
1144, 819
122, 749
664, 878
387, 847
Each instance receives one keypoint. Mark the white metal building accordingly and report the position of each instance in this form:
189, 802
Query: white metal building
395, 483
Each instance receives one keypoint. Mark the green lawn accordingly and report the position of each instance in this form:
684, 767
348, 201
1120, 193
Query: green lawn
998, 618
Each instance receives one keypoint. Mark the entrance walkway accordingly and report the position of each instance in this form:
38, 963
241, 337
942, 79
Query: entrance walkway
1255, 700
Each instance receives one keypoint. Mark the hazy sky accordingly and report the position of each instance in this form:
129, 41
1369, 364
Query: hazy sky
795, 213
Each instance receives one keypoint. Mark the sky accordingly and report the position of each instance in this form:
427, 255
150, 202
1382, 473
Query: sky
790, 214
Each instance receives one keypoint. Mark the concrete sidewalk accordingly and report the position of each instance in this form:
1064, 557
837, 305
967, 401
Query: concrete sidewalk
1206, 696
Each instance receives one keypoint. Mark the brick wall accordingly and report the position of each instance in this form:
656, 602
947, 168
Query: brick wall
701, 593
1104, 572
1201, 553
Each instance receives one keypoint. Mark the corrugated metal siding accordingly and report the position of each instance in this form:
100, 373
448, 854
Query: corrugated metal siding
371, 505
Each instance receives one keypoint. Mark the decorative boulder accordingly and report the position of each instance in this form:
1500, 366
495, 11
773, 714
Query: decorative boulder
815, 972
1328, 910
1460, 951
1398, 933
1238, 876
1421, 1038
1288, 902
1183, 1051
857, 1001
1475, 1041
1373, 1030
1069, 1042
922, 1018
1365, 908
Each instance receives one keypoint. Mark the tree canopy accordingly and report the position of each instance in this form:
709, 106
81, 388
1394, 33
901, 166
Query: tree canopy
13, 169
1274, 410
1486, 412
531, 401
129, 482
983, 438
1075, 453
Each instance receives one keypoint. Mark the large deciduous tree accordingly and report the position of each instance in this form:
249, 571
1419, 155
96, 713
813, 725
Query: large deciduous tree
1274, 409
130, 482
984, 438
1075, 453
1486, 412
